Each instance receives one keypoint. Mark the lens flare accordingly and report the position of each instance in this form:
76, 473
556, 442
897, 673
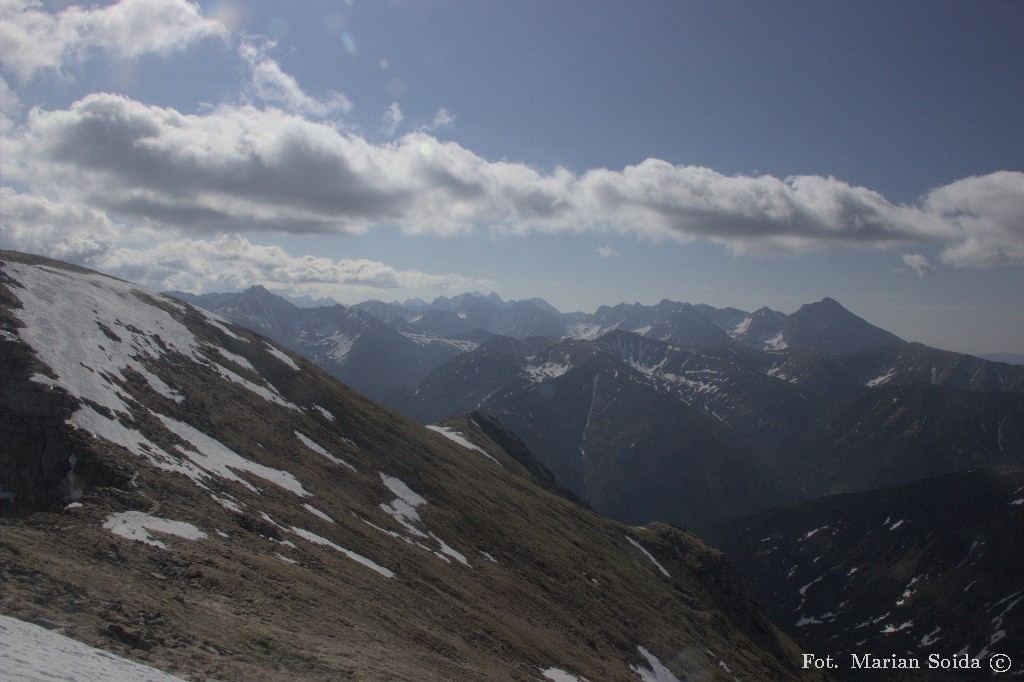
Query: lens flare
227, 12
349, 42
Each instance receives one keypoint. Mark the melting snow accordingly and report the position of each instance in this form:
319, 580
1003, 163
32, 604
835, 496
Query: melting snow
803, 590
213, 457
341, 346
881, 379
309, 443
657, 671
31, 652
457, 437
403, 510
446, 550
324, 412
559, 675
930, 638
316, 512
316, 539
73, 322
777, 342
649, 556
403, 507
135, 525
277, 353
890, 628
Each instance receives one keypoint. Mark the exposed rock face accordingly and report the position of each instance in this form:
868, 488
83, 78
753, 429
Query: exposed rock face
36, 470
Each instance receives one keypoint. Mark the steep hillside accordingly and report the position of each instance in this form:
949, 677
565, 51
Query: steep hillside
185, 493
934, 567
646, 430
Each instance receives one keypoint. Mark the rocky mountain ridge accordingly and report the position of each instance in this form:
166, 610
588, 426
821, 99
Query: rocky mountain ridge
380, 348
218, 507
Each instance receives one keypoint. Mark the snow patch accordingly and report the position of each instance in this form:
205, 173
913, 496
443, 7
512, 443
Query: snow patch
31, 652
649, 556
881, 379
559, 675
358, 558
316, 512
325, 413
930, 638
320, 450
657, 672
280, 355
213, 457
136, 525
457, 437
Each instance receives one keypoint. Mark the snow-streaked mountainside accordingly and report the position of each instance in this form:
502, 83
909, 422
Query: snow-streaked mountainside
380, 348
932, 567
643, 429
185, 493
678, 412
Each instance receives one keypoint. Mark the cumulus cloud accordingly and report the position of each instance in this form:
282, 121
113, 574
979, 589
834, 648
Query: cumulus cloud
244, 168
71, 232
85, 236
232, 261
35, 40
988, 211
273, 86
919, 263
606, 252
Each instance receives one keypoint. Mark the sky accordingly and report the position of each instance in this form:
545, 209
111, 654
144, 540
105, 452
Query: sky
740, 154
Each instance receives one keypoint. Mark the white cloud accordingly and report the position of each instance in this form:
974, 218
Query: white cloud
244, 168
273, 86
392, 117
442, 119
232, 261
606, 252
919, 263
35, 40
988, 210
69, 232
85, 236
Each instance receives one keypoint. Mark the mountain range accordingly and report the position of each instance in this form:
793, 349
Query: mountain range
220, 487
191, 495
379, 348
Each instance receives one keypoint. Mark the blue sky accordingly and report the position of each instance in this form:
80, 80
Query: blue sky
732, 153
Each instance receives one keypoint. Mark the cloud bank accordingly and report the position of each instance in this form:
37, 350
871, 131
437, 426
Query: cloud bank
172, 198
241, 168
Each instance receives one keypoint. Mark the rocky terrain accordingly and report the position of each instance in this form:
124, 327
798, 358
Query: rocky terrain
185, 493
932, 568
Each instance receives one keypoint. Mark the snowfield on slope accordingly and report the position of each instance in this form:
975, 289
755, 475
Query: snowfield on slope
30, 653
